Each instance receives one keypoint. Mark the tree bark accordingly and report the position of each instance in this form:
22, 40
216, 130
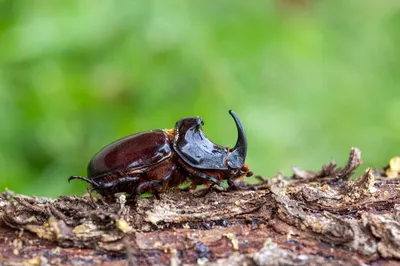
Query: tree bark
310, 218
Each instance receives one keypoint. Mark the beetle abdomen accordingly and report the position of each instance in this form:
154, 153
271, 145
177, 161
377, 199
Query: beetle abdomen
132, 152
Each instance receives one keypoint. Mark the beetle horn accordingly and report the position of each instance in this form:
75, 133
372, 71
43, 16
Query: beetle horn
238, 153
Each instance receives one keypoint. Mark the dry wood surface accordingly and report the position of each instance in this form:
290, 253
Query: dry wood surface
310, 218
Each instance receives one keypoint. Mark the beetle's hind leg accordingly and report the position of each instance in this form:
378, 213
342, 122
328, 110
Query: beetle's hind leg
97, 185
88, 180
102, 187
116, 182
154, 187
113, 187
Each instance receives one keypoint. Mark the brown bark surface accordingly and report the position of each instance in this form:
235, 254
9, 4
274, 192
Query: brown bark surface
310, 218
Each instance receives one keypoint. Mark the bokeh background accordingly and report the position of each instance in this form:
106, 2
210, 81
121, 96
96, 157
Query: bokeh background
309, 79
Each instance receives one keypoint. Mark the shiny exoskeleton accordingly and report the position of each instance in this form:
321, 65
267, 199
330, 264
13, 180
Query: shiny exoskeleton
156, 160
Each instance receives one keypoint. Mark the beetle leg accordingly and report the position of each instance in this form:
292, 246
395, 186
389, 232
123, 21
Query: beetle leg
100, 186
120, 180
208, 178
89, 191
204, 192
233, 185
156, 186
192, 186
90, 181
166, 178
149, 186
119, 174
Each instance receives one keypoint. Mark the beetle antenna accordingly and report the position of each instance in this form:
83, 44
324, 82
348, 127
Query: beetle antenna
93, 183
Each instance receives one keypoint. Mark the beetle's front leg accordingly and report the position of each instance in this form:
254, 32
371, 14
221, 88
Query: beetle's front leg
208, 178
192, 186
240, 185
204, 192
233, 185
211, 187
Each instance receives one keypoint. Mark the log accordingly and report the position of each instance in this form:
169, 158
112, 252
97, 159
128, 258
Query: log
310, 218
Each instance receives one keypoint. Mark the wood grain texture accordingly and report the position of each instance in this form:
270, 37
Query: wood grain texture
310, 218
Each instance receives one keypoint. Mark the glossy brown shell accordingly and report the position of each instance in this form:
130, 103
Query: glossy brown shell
136, 151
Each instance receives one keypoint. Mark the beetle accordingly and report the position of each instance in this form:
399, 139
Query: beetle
156, 160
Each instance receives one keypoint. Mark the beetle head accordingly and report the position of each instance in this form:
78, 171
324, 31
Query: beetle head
197, 150
191, 124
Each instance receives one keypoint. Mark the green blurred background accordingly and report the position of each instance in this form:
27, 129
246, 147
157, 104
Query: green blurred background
309, 79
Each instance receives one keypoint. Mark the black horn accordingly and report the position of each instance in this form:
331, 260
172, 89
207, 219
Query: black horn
238, 153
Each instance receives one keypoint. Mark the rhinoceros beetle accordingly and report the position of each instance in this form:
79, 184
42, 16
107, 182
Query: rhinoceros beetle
156, 160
